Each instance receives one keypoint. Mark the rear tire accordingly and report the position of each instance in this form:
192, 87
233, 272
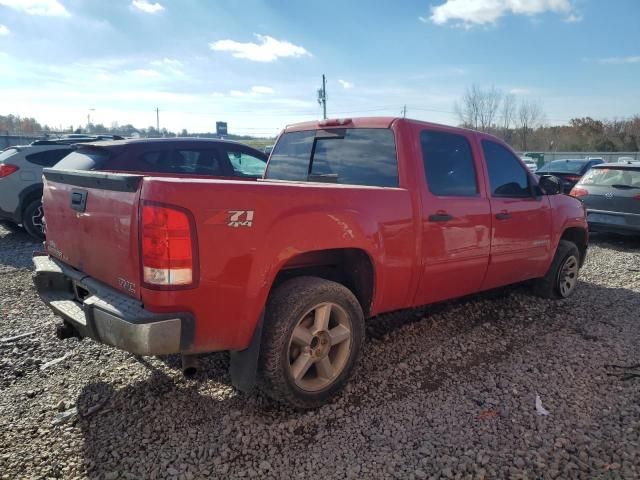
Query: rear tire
312, 337
32, 219
562, 277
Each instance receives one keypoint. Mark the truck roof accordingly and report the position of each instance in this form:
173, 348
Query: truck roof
365, 122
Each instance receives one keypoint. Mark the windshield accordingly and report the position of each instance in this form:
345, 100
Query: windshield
8, 153
563, 166
83, 159
607, 177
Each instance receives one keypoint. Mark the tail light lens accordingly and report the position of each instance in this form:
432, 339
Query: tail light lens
7, 169
168, 247
573, 178
578, 192
637, 197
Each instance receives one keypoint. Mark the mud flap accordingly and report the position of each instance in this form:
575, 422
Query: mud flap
244, 363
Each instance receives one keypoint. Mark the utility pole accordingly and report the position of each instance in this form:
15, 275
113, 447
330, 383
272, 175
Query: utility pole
158, 120
404, 111
322, 97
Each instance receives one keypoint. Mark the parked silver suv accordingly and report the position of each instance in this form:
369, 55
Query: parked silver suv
21, 182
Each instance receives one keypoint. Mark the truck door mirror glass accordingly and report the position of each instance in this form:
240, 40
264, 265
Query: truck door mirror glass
550, 184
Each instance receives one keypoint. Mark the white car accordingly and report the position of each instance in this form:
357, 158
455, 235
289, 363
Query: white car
531, 164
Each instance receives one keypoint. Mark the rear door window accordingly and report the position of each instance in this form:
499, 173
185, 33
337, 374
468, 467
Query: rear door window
352, 156
48, 158
448, 164
507, 176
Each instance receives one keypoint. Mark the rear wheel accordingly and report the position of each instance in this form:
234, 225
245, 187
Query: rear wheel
313, 334
562, 277
32, 219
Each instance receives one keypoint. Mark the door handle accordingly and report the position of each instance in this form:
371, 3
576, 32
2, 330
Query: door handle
440, 217
78, 200
503, 216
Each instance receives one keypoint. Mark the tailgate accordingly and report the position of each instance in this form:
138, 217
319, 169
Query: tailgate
92, 224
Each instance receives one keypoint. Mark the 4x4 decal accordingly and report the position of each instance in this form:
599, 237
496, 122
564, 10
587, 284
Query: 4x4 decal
232, 218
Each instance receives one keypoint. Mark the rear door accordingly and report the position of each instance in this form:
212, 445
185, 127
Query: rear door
456, 221
92, 225
521, 220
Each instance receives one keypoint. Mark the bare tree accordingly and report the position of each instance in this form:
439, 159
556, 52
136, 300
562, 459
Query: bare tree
508, 114
530, 116
479, 107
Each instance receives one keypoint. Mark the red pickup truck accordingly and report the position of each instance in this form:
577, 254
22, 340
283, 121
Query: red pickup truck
354, 218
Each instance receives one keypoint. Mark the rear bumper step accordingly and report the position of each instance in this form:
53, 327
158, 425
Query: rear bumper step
107, 316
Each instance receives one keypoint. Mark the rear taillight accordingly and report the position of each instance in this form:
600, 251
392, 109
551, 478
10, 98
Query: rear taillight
637, 197
168, 247
7, 169
573, 178
578, 192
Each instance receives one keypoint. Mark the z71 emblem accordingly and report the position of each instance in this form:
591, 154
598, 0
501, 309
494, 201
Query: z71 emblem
240, 218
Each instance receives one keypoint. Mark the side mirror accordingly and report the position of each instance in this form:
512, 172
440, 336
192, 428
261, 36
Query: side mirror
550, 184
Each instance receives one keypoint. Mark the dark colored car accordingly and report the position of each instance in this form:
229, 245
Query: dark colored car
611, 193
173, 156
569, 170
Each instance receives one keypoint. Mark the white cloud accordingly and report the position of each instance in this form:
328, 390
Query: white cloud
520, 91
345, 84
4, 30
253, 92
171, 62
268, 50
146, 6
49, 8
258, 90
478, 12
619, 60
146, 73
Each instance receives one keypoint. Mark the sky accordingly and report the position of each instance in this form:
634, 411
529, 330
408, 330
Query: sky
257, 64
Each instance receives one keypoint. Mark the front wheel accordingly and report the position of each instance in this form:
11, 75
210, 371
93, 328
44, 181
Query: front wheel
562, 277
32, 219
313, 334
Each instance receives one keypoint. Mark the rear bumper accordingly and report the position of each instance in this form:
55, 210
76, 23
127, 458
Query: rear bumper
626, 223
106, 315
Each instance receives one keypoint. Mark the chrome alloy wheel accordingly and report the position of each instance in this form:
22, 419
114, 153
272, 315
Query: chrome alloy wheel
319, 347
568, 276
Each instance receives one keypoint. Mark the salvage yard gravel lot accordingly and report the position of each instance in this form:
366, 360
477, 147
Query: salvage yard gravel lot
448, 392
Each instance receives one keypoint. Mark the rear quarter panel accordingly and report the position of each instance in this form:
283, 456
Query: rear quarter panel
239, 264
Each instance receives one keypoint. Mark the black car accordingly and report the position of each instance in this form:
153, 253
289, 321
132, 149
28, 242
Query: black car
611, 194
569, 170
179, 156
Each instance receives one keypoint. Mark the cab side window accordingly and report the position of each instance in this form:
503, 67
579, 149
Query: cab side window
448, 164
507, 176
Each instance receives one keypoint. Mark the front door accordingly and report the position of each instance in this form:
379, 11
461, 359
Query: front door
521, 220
456, 218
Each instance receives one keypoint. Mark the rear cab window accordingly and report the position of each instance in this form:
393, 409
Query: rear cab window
348, 156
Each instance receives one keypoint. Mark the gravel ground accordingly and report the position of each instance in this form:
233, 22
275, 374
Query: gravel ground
447, 393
